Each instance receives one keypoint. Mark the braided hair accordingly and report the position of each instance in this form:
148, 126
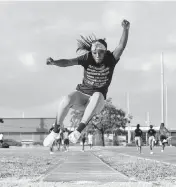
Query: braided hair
85, 43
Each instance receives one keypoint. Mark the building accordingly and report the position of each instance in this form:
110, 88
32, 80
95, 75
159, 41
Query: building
26, 128
36, 129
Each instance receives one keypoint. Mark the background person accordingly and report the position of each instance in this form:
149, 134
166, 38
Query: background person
151, 138
164, 136
90, 140
138, 138
66, 140
1, 138
83, 139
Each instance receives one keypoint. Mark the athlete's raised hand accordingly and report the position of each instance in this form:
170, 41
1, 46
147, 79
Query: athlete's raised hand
125, 24
50, 61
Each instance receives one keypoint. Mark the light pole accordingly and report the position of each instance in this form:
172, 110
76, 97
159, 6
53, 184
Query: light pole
166, 108
162, 89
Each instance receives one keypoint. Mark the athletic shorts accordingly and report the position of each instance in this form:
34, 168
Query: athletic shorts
163, 139
58, 141
66, 141
90, 142
138, 140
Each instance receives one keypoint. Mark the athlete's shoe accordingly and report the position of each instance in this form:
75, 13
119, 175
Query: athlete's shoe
48, 141
51, 152
151, 153
162, 150
74, 136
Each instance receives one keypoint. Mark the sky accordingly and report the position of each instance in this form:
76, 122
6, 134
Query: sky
33, 31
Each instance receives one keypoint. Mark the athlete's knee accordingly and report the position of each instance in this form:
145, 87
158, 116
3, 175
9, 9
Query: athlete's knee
100, 98
66, 101
98, 95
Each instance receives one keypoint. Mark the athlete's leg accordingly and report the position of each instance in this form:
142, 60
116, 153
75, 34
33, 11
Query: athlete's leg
162, 138
153, 142
149, 141
136, 143
74, 98
52, 149
94, 106
140, 145
59, 144
163, 145
83, 145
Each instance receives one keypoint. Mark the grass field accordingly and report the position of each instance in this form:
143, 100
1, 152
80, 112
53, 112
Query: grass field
144, 167
31, 164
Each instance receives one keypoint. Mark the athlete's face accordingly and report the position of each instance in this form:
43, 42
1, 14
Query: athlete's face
98, 55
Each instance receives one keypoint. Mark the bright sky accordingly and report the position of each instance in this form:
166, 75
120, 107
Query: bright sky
34, 31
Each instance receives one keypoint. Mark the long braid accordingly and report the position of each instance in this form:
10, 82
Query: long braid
85, 43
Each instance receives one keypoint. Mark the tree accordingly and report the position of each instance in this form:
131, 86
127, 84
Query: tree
108, 121
76, 118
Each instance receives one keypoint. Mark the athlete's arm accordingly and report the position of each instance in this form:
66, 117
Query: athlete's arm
123, 41
62, 62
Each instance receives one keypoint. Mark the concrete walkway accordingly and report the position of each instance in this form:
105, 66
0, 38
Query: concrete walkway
83, 166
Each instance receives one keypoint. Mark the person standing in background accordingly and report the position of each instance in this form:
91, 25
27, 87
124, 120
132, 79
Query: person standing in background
138, 138
1, 138
151, 138
90, 140
66, 140
83, 141
164, 136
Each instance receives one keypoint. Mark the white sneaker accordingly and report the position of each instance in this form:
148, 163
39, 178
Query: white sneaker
151, 152
162, 150
51, 153
48, 141
74, 136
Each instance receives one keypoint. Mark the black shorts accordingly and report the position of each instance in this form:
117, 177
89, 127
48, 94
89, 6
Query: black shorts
58, 141
66, 141
163, 137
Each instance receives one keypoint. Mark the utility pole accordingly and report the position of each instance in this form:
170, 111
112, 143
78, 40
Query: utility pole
166, 107
162, 90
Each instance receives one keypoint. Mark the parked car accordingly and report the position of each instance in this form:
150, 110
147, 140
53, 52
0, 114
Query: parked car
12, 142
4, 145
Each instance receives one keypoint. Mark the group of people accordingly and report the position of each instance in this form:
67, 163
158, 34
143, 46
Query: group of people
61, 141
163, 136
